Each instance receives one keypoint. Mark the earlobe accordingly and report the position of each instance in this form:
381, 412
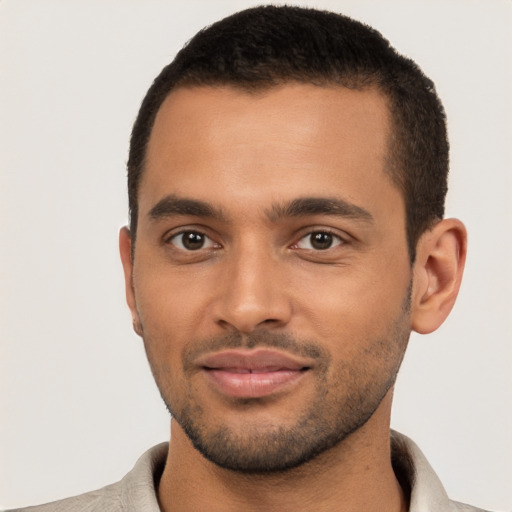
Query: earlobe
438, 269
125, 251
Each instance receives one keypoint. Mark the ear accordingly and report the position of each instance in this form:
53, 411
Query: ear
438, 269
125, 250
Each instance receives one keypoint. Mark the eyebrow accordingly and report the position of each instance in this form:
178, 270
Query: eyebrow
173, 205
303, 207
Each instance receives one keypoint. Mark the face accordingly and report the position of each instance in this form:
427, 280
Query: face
271, 277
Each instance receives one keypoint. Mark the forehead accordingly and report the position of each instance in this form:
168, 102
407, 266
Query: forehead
290, 140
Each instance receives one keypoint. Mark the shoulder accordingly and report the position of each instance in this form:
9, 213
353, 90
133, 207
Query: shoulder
425, 490
97, 500
135, 492
463, 507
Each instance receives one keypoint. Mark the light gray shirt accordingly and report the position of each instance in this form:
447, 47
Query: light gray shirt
136, 492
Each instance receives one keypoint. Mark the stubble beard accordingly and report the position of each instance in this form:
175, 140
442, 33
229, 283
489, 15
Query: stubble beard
340, 406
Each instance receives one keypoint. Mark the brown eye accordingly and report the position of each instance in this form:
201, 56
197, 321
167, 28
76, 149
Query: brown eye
191, 241
319, 241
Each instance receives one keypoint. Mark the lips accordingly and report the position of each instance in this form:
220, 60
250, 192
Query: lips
252, 373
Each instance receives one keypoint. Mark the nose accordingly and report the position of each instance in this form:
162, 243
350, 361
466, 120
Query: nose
253, 293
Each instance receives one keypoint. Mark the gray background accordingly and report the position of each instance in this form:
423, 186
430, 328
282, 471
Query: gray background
77, 402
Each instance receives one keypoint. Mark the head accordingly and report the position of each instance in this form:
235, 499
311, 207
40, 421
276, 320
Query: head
287, 174
264, 47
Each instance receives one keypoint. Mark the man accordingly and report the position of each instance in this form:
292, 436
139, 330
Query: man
287, 176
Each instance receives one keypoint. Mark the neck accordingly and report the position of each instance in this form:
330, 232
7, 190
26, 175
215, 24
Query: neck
353, 476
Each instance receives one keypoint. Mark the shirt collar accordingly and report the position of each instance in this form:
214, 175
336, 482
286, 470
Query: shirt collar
416, 476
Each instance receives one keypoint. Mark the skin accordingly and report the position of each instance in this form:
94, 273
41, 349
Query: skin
247, 156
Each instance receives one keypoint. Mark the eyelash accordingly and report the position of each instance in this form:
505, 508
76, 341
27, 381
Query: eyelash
336, 240
169, 240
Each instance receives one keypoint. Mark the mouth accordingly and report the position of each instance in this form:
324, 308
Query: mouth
252, 373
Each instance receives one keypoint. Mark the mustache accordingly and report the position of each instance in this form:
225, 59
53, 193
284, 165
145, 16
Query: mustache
260, 339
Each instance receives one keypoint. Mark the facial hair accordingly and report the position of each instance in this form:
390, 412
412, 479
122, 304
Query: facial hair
346, 394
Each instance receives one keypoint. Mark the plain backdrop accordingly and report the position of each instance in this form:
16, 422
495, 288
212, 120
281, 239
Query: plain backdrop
77, 401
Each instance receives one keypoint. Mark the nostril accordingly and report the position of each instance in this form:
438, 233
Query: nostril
226, 325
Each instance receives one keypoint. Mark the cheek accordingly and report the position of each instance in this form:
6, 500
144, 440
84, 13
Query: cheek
350, 306
171, 304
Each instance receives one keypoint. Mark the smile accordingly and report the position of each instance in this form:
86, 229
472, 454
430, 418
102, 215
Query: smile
252, 374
